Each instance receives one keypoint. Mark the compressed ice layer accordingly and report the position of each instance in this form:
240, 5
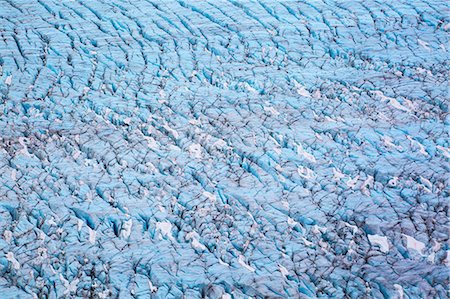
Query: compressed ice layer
224, 149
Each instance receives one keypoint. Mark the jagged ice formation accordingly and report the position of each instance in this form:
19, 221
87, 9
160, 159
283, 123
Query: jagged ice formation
224, 149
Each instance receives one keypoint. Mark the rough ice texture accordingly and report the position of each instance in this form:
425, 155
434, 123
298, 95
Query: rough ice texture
224, 149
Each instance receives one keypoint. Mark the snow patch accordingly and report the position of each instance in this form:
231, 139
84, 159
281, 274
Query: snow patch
152, 288
271, 110
7, 234
8, 80
126, 228
412, 243
10, 258
92, 235
283, 270
209, 196
302, 152
241, 261
400, 293
195, 150
306, 173
381, 241
165, 229
194, 237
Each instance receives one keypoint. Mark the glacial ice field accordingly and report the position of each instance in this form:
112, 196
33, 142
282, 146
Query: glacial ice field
224, 149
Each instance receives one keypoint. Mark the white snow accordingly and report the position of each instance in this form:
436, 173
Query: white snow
400, 292
209, 196
351, 183
151, 167
165, 228
324, 245
14, 175
337, 175
219, 144
103, 295
52, 222
92, 235
172, 131
418, 144
423, 44
76, 154
302, 152
291, 222
318, 229
241, 261
195, 150
10, 257
306, 172
248, 87
301, 90
396, 104
70, 287
223, 263
24, 150
126, 228
391, 101
86, 90
393, 182
367, 184
196, 244
353, 227
283, 270
80, 224
445, 151
317, 94
426, 183
42, 252
42, 235
307, 243
195, 122
412, 243
8, 80
193, 236
271, 110
151, 142
381, 241
153, 288
447, 259
7, 234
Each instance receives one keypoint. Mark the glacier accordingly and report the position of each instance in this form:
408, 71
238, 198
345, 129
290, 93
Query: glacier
224, 149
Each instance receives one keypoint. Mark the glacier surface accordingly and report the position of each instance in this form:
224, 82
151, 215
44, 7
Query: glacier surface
224, 149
